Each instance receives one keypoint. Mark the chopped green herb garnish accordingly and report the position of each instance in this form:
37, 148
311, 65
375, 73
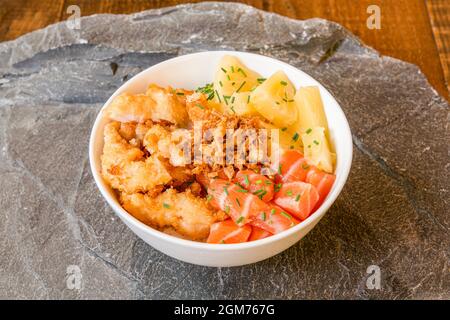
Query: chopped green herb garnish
243, 83
225, 190
283, 129
309, 146
220, 83
165, 205
262, 194
277, 187
227, 209
242, 71
272, 211
258, 181
232, 109
248, 99
261, 80
295, 137
232, 99
316, 142
200, 106
238, 203
240, 219
211, 96
233, 83
309, 131
297, 198
283, 83
279, 169
232, 69
228, 77
305, 166
225, 98
268, 182
242, 190
263, 216
180, 93
246, 181
286, 215
225, 71
289, 193
218, 97
208, 197
277, 102
257, 192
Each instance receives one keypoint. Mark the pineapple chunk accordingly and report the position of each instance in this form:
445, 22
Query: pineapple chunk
231, 78
239, 104
287, 139
274, 100
310, 110
317, 149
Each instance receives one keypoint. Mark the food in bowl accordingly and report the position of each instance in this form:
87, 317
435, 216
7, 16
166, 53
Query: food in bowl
236, 160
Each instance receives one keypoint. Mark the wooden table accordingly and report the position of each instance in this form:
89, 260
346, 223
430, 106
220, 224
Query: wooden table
417, 31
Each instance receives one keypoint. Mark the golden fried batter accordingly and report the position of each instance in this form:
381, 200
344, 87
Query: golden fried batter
157, 104
124, 166
188, 215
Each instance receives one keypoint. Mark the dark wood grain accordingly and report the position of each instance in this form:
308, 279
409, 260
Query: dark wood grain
439, 12
406, 30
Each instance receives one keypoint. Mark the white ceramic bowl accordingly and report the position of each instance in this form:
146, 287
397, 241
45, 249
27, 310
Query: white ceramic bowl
194, 70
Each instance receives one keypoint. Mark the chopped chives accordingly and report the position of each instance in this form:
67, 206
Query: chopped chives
283, 83
279, 169
246, 181
218, 97
242, 71
209, 197
225, 71
180, 93
200, 106
221, 84
263, 216
242, 190
295, 137
228, 77
258, 181
261, 80
241, 218
272, 211
225, 190
240, 86
268, 182
232, 69
286, 215
232, 109
289, 193
283, 129
227, 209
297, 198
238, 203
248, 99
262, 194
211, 96
165, 205
232, 99
316, 142
277, 187
308, 131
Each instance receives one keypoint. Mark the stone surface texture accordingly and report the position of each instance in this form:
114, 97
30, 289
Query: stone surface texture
393, 212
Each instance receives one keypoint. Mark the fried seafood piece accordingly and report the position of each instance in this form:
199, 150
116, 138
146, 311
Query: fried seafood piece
124, 166
174, 145
170, 106
188, 215
157, 104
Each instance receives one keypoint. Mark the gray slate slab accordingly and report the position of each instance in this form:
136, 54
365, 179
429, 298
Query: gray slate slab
393, 212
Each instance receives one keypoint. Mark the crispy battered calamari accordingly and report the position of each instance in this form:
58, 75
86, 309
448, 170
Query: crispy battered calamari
189, 215
157, 104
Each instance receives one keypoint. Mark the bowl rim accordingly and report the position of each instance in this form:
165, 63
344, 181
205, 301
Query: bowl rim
312, 219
